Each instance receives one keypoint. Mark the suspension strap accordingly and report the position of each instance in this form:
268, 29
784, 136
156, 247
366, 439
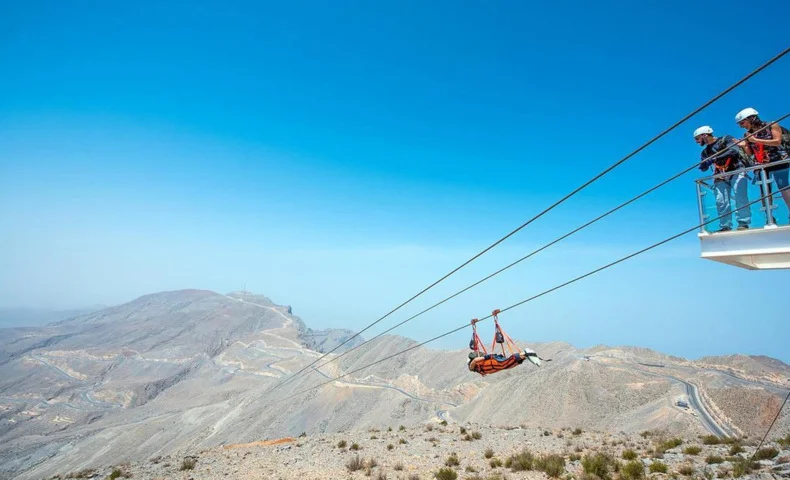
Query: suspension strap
501, 337
476, 344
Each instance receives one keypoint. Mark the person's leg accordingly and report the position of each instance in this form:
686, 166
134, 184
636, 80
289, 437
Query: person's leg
740, 186
766, 192
722, 192
782, 179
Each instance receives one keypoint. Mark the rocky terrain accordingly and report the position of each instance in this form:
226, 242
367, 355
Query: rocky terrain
469, 451
179, 373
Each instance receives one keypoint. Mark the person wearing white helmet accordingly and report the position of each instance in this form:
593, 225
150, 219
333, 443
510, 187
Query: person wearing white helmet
724, 155
764, 142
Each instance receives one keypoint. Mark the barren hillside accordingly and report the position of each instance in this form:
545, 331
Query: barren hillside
468, 451
179, 372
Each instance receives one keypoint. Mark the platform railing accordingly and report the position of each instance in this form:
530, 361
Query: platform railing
740, 187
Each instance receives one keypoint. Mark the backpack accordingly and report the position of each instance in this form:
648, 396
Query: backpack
785, 141
723, 143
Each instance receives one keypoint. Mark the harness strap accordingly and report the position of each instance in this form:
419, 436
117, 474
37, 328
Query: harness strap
477, 344
503, 337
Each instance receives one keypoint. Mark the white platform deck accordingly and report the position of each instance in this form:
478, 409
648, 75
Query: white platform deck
756, 249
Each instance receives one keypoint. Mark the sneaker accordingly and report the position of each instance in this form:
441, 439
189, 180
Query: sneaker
532, 356
743, 226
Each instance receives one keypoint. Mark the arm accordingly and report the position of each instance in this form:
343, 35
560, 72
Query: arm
744, 144
704, 164
473, 363
775, 141
733, 146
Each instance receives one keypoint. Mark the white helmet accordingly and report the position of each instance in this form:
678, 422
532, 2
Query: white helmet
744, 114
702, 130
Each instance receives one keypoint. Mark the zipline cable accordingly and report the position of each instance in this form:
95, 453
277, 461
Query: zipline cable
554, 205
534, 297
597, 219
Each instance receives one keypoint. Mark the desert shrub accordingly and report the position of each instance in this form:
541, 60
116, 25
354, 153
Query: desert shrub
381, 476
354, 446
632, 470
520, 462
390, 446
735, 449
398, 467
553, 465
372, 463
452, 460
578, 431
692, 450
446, 474
355, 464
443, 423
402, 441
670, 444
629, 455
463, 430
476, 435
341, 444
784, 441
714, 459
495, 463
401, 428
742, 466
658, 467
488, 453
574, 457
188, 463
766, 453
117, 473
598, 464
686, 470
711, 440
471, 469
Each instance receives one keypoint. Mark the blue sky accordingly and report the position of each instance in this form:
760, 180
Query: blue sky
339, 157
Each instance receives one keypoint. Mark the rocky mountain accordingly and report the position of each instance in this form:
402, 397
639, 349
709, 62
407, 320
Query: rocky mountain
178, 372
36, 317
330, 340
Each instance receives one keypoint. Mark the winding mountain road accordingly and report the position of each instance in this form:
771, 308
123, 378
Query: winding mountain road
705, 417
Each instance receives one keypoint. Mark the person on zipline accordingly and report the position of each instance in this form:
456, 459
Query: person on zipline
486, 363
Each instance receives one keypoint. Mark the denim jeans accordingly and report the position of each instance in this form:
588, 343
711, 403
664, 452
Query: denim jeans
726, 188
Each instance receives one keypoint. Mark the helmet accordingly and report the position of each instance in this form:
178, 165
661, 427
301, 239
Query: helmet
744, 114
702, 131
472, 355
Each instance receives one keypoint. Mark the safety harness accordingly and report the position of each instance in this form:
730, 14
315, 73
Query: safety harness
490, 365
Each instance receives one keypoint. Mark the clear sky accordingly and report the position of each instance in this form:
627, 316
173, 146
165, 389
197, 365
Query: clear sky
341, 156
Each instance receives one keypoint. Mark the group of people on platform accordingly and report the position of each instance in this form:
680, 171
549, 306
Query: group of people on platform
762, 144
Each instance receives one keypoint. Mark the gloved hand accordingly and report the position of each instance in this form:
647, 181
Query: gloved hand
705, 165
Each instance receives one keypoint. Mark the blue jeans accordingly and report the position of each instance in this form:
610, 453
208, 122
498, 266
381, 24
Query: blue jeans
726, 188
501, 358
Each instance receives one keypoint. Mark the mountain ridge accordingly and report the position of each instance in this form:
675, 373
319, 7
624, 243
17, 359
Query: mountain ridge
182, 370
